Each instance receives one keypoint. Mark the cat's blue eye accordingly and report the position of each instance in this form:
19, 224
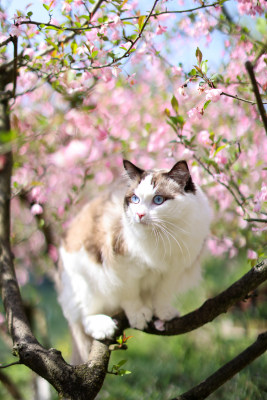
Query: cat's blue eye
135, 199
158, 199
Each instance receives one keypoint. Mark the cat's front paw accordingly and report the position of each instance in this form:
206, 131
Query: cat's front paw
166, 313
140, 318
99, 326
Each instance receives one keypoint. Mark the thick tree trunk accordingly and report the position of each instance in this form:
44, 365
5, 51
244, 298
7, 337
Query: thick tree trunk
81, 382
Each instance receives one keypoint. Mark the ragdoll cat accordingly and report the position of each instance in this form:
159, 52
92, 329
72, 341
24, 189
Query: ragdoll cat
133, 251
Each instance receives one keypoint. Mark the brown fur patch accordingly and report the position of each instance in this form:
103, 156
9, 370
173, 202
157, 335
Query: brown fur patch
118, 244
97, 228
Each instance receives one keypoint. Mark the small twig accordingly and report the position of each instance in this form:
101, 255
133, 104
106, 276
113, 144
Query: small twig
15, 64
264, 221
250, 70
10, 365
5, 42
237, 98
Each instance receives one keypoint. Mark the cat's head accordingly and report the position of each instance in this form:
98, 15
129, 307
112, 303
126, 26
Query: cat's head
152, 196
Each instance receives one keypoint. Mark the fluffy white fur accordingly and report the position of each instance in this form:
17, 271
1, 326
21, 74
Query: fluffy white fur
162, 260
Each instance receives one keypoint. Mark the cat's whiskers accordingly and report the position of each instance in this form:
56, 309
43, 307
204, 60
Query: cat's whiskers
168, 235
185, 247
163, 235
164, 218
169, 231
162, 239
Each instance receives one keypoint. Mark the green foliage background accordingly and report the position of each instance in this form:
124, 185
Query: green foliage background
163, 367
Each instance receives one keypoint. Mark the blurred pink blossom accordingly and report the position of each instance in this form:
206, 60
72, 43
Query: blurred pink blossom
2, 161
36, 209
161, 29
260, 197
53, 253
204, 138
15, 30
213, 94
194, 114
252, 255
66, 7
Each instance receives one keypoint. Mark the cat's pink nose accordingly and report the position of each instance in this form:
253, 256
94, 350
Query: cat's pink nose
140, 216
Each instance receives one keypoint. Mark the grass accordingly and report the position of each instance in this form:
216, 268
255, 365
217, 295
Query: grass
163, 367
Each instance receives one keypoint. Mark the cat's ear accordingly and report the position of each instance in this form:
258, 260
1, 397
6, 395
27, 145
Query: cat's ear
132, 170
180, 174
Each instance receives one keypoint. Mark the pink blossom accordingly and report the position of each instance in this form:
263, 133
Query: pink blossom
3, 37
75, 151
36, 209
35, 193
260, 197
2, 161
115, 35
29, 52
204, 138
220, 158
2, 318
194, 114
116, 21
66, 7
53, 253
221, 177
161, 29
131, 79
213, 94
102, 134
116, 71
2, 16
181, 91
252, 255
16, 30
177, 71
104, 177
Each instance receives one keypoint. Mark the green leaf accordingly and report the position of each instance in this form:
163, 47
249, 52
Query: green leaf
204, 67
122, 372
29, 14
175, 104
261, 25
141, 21
121, 363
198, 56
219, 149
74, 47
7, 137
193, 72
46, 7
51, 28
94, 53
206, 104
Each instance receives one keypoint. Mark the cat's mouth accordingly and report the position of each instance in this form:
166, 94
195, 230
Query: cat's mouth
143, 221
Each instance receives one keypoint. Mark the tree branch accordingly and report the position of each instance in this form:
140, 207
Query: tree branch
222, 375
85, 28
81, 382
250, 70
211, 309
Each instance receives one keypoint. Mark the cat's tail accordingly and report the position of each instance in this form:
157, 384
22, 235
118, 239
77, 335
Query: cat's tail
81, 344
